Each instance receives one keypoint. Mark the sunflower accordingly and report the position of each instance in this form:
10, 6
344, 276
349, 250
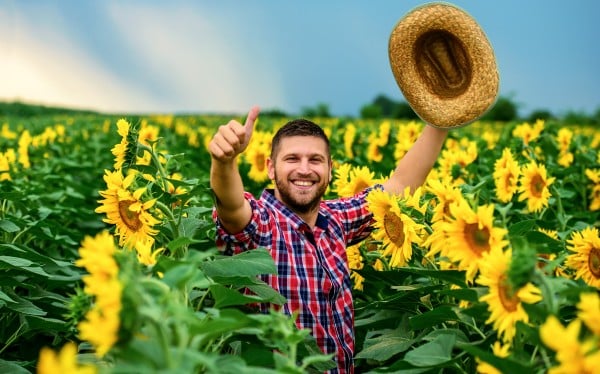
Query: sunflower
405, 138
355, 262
589, 311
527, 132
499, 350
534, 186
586, 257
373, 150
455, 158
594, 176
5, 162
563, 138
256, 156
466, 236
445, 193
129, 211
148, 134
23, 149
395, 229
491, 138
504, 303
506, 176
125, 152
351, 180
101, 324
349, 136
572, 355
65, 361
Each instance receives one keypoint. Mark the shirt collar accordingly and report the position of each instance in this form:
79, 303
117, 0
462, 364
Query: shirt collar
268, 196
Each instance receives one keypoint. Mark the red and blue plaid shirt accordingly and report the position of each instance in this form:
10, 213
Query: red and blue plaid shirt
312, 267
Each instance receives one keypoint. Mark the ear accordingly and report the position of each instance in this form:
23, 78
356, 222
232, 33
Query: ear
330, 169
270, 168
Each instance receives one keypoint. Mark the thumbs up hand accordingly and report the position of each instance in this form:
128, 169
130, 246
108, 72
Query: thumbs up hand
233, 138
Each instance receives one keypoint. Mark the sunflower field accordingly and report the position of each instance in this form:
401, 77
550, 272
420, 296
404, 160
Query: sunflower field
109, 264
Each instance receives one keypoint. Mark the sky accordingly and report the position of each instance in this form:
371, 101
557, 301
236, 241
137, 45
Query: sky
225, 56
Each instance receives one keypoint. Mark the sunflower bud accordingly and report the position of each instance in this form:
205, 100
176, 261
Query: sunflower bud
522, 265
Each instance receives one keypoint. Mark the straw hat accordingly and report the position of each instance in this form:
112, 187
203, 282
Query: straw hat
444, 65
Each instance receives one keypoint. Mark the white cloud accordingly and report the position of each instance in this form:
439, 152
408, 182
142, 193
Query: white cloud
187, 52
44, 65
189, 64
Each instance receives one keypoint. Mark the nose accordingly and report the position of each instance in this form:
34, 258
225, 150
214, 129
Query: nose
304, 166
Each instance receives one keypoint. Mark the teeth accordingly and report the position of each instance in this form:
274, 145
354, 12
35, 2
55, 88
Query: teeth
303, 183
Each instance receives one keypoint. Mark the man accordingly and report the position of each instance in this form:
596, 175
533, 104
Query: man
306, 235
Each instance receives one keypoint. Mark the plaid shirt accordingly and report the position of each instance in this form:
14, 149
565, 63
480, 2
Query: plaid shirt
312, 266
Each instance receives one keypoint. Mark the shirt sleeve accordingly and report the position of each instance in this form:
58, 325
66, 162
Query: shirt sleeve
231, 244
354, 214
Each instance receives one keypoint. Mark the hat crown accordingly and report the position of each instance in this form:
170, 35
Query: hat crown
442, 63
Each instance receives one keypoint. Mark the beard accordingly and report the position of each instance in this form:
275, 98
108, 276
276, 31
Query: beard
301, 202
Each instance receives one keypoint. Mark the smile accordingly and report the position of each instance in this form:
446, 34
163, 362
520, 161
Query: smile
303, 183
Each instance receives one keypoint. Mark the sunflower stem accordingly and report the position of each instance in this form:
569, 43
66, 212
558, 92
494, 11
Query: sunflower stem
170, 217
161, 170
548, 294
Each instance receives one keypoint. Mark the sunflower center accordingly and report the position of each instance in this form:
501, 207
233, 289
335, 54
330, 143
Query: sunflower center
360, 185
507, 297
478, 239
594, 262
260, 161
393, 228
537, 185
130, 219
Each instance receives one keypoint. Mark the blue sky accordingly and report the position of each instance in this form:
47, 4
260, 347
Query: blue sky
224, 56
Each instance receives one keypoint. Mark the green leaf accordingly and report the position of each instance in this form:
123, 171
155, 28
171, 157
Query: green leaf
12, 367
522, 265
16, 262
521, 228
436, 352
225, 297
25, 306
440, 314
9, 226
267, 293
5, 297
184, 275
249, 264
383, 347
451, 276
181, 241
505, 365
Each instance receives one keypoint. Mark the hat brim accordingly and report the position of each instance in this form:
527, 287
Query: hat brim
477, 79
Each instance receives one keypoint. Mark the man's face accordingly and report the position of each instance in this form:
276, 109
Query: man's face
301, 169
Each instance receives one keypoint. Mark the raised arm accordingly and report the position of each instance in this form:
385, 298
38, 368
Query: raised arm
413, 168
225, 180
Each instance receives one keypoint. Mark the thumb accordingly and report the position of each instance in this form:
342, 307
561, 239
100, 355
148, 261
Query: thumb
250, 121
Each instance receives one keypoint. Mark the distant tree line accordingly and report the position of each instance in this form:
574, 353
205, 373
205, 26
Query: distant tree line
21, 109
504, 109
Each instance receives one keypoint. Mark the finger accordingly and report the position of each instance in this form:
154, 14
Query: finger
233, 133
251, 120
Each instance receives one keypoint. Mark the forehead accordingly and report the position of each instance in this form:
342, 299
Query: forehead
302, 145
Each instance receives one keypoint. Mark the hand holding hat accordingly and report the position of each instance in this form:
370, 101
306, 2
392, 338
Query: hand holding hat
444, 65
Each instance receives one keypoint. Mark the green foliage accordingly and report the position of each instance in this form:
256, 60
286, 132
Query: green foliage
504, 110
191, 312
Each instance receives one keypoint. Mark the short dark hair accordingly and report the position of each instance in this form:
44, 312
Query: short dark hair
298, 127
